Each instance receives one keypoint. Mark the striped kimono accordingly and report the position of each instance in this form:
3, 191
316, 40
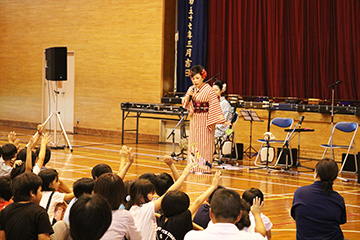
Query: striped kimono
206, 113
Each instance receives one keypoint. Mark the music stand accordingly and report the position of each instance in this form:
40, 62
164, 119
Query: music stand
298, 131
250, 115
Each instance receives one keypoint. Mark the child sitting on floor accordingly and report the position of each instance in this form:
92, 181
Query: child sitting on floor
249, 195
50, 194
177, 218
143, 208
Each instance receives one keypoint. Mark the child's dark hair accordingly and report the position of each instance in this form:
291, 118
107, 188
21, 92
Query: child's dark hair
17, 170
251, 193
8, 151
127, 185
48, 176
327, 170
5, 188
111, 187
149, 176
25, 184
90, 217
100, 169
174, 203
245, 218
22, 156
139, 190
162, 183
47, 154
83, 185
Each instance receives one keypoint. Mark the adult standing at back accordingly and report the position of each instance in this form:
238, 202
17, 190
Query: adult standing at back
204, 112
317, 209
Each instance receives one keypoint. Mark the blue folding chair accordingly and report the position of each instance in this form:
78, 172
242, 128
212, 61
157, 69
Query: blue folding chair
346, 129
279, 123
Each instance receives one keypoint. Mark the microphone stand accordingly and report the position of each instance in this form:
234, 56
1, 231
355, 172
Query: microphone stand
332, 86
173, 154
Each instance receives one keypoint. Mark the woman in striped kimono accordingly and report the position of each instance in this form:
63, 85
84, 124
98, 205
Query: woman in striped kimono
204, 112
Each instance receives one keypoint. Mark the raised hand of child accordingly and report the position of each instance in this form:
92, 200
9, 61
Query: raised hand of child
46, 139
125, 151
216, 179
189, 167
256, 208
131, 157
12, 137
17, 143
168, 160
40, 128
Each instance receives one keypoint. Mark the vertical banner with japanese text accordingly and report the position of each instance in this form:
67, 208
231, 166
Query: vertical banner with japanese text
192, 39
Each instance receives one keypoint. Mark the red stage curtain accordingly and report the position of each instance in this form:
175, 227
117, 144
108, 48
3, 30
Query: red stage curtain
286, 48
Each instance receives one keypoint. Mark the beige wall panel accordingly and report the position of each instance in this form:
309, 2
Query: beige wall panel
118, 46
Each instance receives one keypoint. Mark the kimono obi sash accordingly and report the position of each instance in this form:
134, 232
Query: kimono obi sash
201, 107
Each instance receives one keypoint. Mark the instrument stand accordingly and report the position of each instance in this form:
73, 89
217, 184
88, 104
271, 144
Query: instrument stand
298, 163
173, 154
286, 145
332, 86
250, 115
56, 114
332, 121
266, 166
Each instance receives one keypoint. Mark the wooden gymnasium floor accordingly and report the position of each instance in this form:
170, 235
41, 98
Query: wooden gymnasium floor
278, 187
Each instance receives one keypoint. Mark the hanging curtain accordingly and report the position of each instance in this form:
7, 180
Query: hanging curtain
286, 48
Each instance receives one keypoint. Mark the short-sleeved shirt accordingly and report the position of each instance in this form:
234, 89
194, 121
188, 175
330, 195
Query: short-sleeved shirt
56, 198
36, 169
24, 221
67, 211
221, 231
175, 227
4, 169
202, 217
145, 220
122, 225
267, 223
318, 215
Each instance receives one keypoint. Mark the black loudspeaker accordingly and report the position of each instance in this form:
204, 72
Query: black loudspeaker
350, 162
285, 153
240, 150
56, 63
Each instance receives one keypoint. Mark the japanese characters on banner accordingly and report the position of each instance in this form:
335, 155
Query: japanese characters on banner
189, 37
192, 39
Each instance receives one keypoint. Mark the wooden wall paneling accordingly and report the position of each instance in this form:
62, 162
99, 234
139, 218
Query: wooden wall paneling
119, 56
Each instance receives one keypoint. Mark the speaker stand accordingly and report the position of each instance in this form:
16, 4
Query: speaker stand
56, 115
